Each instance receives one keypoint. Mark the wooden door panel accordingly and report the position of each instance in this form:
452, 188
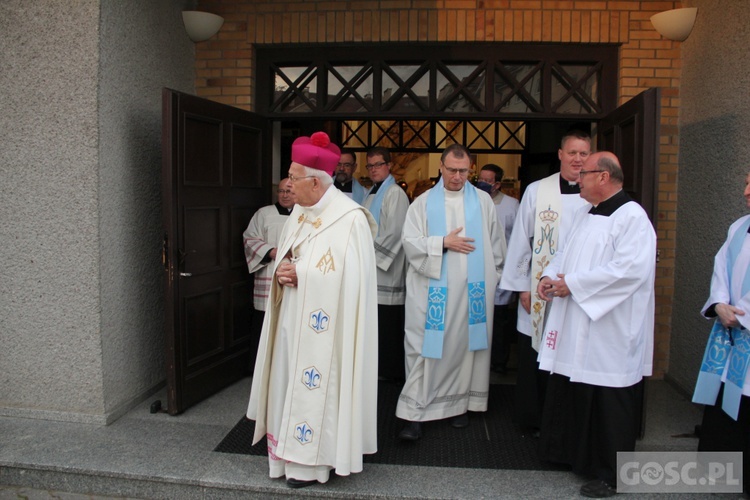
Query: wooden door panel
214, 179
246, 150
202, 139
632, 133
203, 326
202, 242
240, 218
242, 312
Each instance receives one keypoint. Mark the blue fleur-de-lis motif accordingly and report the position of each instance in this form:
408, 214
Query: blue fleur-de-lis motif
319, 321
311, 378
303, 433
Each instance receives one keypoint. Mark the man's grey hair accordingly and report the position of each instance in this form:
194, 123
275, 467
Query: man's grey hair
325, 179
611, 166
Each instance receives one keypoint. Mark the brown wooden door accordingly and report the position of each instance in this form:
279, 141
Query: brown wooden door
632, 133
215, 177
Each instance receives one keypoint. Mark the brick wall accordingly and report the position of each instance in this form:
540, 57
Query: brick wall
224, 64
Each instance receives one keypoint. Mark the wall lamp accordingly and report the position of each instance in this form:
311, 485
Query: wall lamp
201, 26
675, 24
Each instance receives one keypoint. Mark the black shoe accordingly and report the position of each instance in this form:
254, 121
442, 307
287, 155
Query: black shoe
412, 431
299, 483
460, 421
597, 488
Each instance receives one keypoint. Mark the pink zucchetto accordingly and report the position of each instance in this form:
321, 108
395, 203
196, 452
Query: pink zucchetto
316, 151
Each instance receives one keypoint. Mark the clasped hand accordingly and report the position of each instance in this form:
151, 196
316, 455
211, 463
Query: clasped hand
728, 315
547, 289
286, 274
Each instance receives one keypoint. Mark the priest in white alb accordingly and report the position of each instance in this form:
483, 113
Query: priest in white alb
260, 240
388, 203
724, 380
544, 217
455, 248
599, 336
314, 389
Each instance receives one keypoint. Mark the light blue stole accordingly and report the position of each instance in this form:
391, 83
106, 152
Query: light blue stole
437, 292
726, 347
377, 202
358, 192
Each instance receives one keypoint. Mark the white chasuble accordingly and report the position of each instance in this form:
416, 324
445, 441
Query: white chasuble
603, 332
314, 391
442, 388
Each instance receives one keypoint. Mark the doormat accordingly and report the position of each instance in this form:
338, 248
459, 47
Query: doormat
492, 440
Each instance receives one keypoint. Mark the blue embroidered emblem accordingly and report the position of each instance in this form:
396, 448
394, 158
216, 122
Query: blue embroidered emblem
436, 303
478, 303
738, 359
303, 433
311, 378
319, 321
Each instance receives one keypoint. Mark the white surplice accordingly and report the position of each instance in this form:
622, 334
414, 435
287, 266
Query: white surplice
507, 209
260, 237
442, 388
517, 272
389, 251
314, 390
603, 332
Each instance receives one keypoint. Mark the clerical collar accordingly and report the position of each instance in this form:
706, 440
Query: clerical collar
282, 210
567, 188
345, 187
376, 187
611, 204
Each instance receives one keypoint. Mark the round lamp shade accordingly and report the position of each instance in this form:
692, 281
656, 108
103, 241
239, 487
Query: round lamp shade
201, 26
675, 24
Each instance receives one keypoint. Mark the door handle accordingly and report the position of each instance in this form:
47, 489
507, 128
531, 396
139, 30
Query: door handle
186, 274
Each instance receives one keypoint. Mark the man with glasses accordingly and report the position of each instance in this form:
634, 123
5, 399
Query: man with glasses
345, 181
260, 240
598, 340
545, 216
314, 390
455, 248
388, 203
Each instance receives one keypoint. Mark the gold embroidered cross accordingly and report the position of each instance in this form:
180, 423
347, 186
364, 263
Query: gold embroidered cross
303, 218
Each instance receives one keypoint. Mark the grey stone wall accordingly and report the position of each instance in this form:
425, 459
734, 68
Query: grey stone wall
80, 285
714, 158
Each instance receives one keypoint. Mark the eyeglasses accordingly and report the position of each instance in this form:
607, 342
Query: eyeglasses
376, 165
293, 178
454, 171
581, 173
346, 165
284, 191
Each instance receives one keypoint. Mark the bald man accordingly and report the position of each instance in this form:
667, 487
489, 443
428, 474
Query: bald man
598, 340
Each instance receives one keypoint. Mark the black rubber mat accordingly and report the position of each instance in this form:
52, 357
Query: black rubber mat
491, 441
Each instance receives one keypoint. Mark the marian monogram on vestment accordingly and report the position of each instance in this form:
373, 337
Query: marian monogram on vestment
547, 231
326, 263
